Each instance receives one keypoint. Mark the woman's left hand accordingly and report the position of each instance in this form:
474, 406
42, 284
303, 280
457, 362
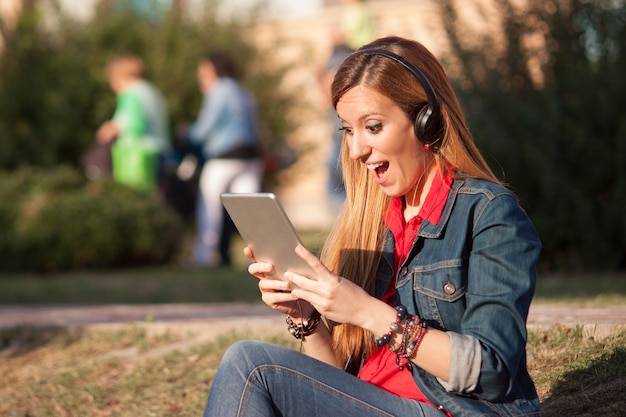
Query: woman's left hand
335, 297
275, 292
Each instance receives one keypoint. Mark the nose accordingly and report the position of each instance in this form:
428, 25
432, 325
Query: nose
357, 148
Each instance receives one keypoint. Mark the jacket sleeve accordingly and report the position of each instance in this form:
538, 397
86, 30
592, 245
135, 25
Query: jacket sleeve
465, 363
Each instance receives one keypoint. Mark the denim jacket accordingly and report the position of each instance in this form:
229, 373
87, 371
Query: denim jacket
473, 276
227, 119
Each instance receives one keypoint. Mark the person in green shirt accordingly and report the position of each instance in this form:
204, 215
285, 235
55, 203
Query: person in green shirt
140, 120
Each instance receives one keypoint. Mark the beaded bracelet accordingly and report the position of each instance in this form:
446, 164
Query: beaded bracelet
416, 339
401, 314
413, 335
305, 327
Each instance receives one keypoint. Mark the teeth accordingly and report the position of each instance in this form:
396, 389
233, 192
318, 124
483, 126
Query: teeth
374, 166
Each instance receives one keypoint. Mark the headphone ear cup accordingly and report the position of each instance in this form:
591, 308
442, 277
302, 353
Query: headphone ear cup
428, 126
421, 123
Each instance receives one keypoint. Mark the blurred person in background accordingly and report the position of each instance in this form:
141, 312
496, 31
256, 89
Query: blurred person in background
227, 131
140, 122
354, 28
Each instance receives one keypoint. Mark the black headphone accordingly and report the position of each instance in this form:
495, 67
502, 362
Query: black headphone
428, 123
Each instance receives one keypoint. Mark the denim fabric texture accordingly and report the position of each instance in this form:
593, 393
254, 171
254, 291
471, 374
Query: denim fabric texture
474, 273
258, 379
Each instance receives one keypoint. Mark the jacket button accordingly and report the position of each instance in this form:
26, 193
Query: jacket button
404, 271
449, 288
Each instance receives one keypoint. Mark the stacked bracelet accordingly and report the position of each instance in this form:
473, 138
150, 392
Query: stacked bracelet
413, 330
305, 327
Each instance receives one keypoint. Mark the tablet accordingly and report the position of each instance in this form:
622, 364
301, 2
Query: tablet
266, 229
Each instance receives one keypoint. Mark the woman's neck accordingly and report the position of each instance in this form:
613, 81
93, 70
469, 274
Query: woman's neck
414, 200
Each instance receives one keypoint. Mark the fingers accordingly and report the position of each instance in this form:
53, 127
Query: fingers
259, 269
262, 270
311, 259
274, 285
276, 294
247, 252
317, 288
321, 273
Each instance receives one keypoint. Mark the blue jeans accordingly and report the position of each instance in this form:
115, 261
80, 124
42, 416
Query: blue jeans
261, 379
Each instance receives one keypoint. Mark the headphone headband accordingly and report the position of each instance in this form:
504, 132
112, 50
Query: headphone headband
430, 92
426, 129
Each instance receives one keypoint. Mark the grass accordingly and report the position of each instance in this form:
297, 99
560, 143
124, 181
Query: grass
61, 372
578, 377
144, 285
129, 371
58, 372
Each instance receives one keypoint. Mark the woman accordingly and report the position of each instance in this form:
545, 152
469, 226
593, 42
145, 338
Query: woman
227, 130
424, 284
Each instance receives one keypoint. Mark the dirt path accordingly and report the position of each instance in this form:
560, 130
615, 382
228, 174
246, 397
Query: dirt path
90, 315
197, 315
199, 323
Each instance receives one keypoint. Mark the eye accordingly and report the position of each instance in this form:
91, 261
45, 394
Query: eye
346, 129
374, 128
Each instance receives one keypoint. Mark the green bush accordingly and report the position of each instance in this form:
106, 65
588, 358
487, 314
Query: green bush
54, 219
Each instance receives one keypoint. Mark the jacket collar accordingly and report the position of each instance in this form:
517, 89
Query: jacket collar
432, 231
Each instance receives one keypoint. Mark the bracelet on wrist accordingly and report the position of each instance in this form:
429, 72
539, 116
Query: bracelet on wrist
414, 332
395, 327
305, 327
412, 328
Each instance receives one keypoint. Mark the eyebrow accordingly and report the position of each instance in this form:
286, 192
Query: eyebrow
364, 117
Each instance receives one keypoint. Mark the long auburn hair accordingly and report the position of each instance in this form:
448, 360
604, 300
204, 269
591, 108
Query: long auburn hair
353, 248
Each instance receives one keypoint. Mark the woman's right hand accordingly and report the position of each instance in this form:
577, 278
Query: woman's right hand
276, 292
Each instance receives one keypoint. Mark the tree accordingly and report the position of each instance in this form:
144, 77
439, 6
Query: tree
548, 109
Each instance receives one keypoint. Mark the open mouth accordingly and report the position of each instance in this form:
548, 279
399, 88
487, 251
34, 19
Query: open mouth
378, 169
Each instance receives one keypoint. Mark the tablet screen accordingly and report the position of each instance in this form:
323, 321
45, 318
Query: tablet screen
266, 229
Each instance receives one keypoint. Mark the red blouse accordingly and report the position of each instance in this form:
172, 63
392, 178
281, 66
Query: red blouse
380, 368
